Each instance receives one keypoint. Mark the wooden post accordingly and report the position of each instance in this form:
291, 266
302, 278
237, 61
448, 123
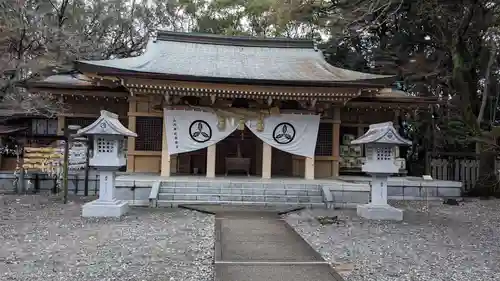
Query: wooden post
37, 183
267, 156
360, 131
397, 114
1, 147
61, 123
65, 166
165, 157
22, 181
396, 126
211, 154
87, 167
76, 184
132, 106
309, 168
433, 132
336, 142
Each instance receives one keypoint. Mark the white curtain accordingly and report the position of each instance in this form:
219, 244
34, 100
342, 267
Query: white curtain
189, 130
293, 133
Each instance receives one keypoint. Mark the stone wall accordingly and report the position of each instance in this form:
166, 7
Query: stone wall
347, 192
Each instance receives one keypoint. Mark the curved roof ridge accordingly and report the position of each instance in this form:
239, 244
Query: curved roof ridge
244, 41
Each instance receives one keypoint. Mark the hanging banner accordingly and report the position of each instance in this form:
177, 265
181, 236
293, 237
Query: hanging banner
293, 133
189, 130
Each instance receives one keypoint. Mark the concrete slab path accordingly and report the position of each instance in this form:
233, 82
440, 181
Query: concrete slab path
260, 246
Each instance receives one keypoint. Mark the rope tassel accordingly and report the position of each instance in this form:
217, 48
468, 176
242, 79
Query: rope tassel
260, 125
221, 124
241, 124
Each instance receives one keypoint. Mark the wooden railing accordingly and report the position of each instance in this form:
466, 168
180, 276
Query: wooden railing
463, 170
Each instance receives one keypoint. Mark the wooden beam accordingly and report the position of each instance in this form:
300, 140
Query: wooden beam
79, 115
75, 92
145, 114
388, 105
166, 84
145, 153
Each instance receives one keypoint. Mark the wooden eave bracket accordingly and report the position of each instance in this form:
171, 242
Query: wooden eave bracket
348, 99
99, 77
167, 99
312, 105
367, 92
269, 101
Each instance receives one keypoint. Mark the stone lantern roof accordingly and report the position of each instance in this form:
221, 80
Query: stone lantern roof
107, 124
382, 133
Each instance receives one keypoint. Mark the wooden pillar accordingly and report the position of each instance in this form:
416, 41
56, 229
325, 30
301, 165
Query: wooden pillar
361, 131
309, 168
1, 155
336, 142
165, 157
267, 156
395, 122
61, 122
132, 106
396, 119
211, 157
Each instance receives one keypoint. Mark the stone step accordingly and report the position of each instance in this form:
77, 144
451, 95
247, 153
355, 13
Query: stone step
175, 203
239, 197
244, 191
223, 184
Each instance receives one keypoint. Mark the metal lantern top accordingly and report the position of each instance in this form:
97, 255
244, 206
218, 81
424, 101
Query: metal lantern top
382, 133
107, 124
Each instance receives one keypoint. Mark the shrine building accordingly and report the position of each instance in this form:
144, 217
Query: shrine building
211, 105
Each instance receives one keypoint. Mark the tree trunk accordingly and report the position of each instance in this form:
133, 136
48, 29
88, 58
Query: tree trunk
465, 83
487, 181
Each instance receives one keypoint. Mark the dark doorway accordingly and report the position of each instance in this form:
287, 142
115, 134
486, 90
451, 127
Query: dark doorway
242, 145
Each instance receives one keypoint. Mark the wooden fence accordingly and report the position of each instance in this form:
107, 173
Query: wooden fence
463, 170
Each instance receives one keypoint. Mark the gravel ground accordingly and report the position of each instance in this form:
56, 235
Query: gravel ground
42, 239
441, 242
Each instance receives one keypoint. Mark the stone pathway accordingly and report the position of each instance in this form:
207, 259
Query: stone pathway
260, 246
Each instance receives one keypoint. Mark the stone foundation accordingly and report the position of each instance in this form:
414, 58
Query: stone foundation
100, 208
379, 212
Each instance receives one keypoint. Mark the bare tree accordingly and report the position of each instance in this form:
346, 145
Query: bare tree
43, 38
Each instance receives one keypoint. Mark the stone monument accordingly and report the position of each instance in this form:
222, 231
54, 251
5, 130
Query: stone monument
381, 142
108, 155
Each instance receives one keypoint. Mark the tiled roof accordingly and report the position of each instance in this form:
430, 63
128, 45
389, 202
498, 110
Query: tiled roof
76, 79
6, 130
213, 56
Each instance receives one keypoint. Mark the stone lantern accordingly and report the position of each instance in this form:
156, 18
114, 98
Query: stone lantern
381, 142
108, 156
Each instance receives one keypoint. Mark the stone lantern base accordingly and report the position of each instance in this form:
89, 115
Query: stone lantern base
101, 208
379, 212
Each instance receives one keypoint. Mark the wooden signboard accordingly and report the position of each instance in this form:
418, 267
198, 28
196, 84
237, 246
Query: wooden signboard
43, 159
77, 156
50, 159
